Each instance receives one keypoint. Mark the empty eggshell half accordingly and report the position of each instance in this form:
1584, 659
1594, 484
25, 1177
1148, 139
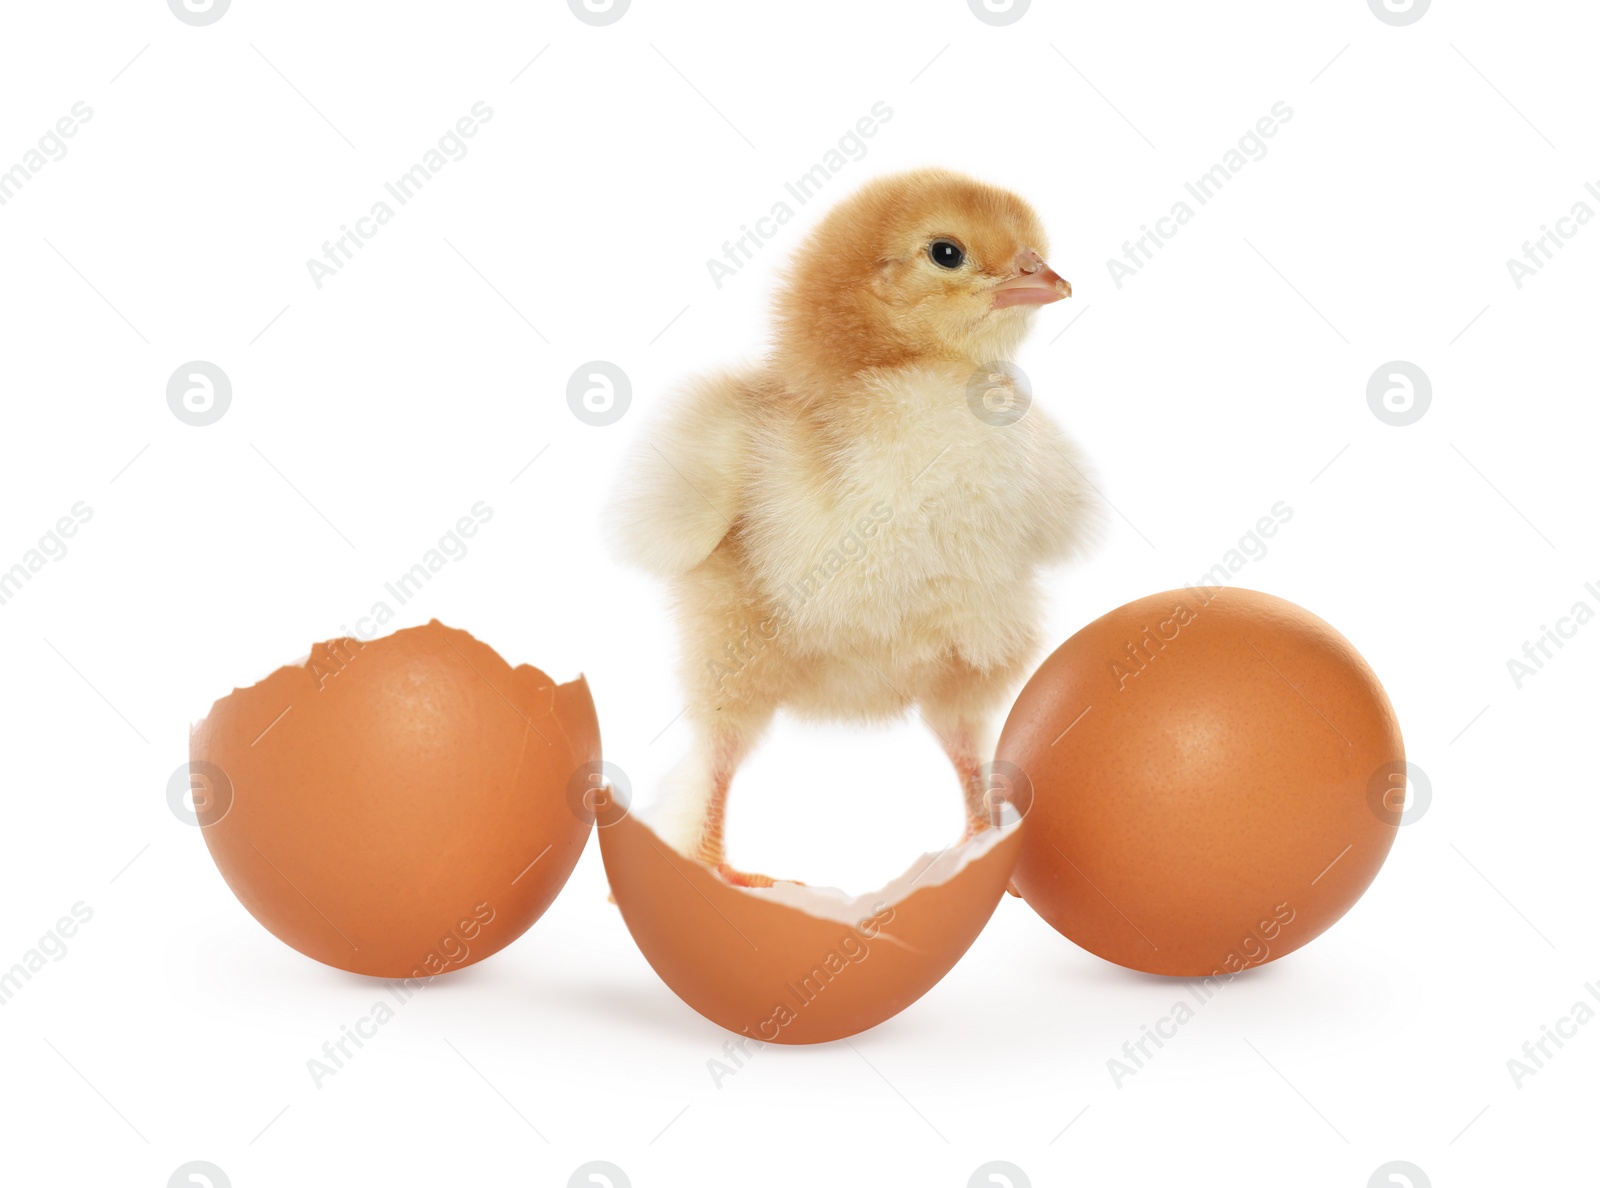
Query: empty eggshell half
792, 964
397, 807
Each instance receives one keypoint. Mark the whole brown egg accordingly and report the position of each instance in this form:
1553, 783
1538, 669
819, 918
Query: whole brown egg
401, 807
1213, 775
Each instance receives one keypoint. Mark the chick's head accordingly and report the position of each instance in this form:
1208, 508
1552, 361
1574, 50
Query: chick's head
914, 268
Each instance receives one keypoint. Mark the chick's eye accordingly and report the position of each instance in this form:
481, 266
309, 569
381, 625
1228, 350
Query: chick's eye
945, 254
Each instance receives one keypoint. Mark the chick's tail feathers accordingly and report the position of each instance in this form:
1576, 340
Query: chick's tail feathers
678, 492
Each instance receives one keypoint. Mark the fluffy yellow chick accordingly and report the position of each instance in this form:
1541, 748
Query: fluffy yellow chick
854, 528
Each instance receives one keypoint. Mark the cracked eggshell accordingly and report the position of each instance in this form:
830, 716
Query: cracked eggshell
792, 964
397, 807
1213, 781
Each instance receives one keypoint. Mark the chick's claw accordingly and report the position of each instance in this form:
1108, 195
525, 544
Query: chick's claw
741, 878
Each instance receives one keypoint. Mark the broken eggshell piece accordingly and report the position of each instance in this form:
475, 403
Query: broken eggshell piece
792, 964
397, 807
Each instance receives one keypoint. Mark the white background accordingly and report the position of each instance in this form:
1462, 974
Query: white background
369, 414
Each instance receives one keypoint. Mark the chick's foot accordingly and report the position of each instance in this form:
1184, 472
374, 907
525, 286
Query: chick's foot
743, 878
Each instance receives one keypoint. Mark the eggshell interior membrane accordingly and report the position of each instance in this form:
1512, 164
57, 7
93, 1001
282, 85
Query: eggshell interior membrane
791, 964
1212, 775
399, 807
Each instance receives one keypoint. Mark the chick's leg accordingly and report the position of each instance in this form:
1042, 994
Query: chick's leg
961, 705
735, 676
691, 810
960, 735
726, 749
693, 815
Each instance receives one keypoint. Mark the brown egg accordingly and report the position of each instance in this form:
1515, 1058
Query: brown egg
801, 965
1212, 774
397, 807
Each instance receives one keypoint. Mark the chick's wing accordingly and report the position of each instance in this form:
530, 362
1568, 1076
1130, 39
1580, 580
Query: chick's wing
681, 488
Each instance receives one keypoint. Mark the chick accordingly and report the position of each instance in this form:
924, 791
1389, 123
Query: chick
853, 528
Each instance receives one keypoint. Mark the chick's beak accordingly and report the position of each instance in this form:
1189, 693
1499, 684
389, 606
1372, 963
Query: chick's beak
1035, 283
